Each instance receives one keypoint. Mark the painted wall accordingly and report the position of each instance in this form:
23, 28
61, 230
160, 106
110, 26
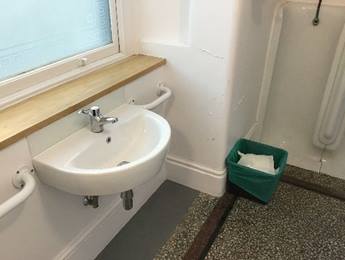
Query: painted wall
215, 72
247, 60
197, 73
169, 26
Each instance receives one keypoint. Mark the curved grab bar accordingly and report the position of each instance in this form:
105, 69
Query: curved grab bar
23, 179
165, 94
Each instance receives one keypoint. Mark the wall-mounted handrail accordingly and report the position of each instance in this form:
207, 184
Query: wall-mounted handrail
24, 180
165, 94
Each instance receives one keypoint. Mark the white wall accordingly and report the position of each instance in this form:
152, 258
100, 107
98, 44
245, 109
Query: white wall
169, 22
215, 75
53, 224
247, 60
197, 73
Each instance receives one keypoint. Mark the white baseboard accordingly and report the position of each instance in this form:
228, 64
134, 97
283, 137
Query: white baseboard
95, 237
196, 177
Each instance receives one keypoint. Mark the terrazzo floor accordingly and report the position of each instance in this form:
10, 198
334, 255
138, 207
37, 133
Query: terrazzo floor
296, 224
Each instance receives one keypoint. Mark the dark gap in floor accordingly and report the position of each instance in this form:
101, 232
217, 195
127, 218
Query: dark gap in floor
187, 232
210, 229
316, 181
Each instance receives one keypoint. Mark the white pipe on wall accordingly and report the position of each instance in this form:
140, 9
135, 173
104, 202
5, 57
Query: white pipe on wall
165, 95
331, 120
24, 180
272, 50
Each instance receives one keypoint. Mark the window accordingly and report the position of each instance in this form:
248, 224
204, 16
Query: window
43, 36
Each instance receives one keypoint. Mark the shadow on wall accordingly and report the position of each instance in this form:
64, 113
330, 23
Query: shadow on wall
253, 26
257, 11
7, 222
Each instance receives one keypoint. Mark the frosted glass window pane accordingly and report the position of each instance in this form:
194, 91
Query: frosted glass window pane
34, 33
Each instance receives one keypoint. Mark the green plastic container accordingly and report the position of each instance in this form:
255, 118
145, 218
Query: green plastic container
257, 183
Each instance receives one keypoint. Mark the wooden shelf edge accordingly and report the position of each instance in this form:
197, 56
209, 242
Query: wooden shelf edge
23, 119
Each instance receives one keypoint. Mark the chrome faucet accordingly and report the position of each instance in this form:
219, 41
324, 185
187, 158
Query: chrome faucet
97, 120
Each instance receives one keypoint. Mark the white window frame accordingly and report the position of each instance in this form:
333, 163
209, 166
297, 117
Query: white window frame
19, 87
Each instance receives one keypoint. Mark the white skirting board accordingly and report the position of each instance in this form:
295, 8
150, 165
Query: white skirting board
95, 237
196, 177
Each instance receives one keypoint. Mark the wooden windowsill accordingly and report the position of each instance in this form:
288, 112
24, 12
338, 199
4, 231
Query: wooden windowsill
28, 116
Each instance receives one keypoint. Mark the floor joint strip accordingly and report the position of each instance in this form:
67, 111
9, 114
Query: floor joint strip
314, 187
210, 229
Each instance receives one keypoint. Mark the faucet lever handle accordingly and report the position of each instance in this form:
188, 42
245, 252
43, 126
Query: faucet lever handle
94, 111
84, 111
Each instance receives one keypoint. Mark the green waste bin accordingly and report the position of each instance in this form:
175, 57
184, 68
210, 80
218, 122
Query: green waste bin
257, 183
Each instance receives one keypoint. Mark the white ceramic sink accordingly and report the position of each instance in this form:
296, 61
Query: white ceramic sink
87, 163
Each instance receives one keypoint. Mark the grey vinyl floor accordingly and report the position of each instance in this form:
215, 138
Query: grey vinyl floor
147, 231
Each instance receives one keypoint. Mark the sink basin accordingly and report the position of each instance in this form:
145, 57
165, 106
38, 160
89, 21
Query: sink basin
127, 154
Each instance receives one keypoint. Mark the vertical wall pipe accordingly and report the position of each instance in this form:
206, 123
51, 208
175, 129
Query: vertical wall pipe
331, 120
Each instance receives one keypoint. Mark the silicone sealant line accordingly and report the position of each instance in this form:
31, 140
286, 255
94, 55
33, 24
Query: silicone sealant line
321, 159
